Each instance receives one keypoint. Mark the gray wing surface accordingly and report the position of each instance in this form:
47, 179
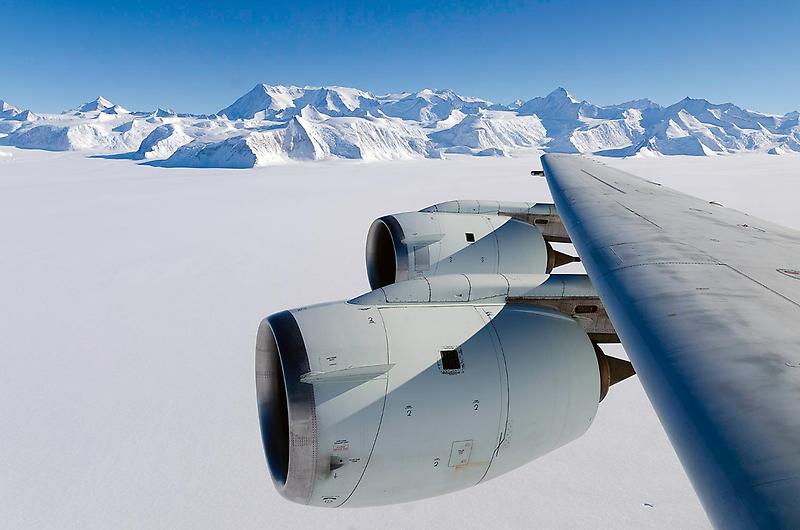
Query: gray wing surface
706, 301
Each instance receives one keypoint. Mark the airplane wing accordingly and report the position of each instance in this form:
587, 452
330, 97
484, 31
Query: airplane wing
706, 301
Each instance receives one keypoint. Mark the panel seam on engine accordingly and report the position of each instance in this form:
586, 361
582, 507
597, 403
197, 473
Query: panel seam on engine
383, 409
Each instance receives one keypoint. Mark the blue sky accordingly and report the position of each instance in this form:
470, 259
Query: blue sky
200, 56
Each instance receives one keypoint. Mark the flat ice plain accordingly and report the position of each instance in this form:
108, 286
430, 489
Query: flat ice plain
130, 297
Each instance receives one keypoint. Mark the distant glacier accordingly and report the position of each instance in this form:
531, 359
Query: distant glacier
277, 124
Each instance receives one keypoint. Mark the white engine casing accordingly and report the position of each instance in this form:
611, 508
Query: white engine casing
412, 244
381, 419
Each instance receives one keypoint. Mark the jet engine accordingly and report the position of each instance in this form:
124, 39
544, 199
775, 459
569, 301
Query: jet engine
372, 402
406, 245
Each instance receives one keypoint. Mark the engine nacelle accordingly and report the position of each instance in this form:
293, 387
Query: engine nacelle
407, 245
366, 403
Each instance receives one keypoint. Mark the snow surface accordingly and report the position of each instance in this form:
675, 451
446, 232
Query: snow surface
278, 124
131, 297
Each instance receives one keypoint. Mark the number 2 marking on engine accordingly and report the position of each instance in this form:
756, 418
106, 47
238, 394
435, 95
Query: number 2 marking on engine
435, 462
371, 320
476, 404
409, 410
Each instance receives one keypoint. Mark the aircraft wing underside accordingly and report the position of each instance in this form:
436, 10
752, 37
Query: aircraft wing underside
706, 301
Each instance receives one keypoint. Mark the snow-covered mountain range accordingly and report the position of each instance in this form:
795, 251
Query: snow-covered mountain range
276, 124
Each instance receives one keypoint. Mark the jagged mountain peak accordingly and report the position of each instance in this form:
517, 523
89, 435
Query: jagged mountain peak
557, 105
640, 104
262, 98
691, 103
310, 112
442, 93
25, 115
561, 93
6, 106
283, 101
98, 104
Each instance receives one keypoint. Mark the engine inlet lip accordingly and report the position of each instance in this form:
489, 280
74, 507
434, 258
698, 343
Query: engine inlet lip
395, 231
286, 407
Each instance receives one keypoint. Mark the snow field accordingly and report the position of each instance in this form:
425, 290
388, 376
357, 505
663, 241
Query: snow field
131, 300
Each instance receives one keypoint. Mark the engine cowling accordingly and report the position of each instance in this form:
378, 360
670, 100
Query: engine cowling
365, 403
411, 244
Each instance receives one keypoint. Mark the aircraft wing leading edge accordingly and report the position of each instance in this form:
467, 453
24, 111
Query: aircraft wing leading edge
706, 301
